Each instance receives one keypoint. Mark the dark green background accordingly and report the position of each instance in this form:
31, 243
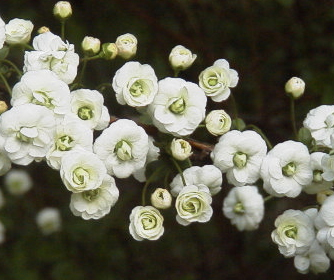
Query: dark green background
267, 42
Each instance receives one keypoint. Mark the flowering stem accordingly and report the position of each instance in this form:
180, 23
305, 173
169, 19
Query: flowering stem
234, 106
292, 116
179, 170
269, 197
63, 30
3, 78
88, 58
259, 131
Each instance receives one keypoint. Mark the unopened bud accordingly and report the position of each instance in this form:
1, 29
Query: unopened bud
161, 198
295, 87
91, 45
43, 29
218, 122
180, 58
3, 107
62, 10
181, 149
109, 51
321, 196
126, 45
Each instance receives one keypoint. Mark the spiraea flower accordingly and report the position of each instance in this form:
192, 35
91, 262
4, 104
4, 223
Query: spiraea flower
295, 87
28, 131
178, 108
244, 206
180, 58
2, 33
126, 45
88, 106
294, 233
43, 88
146, 222
96, 203
217, 80
286, 169
161, 198
18, 31
193, 204
62, 10
240, 155
48, 220
81, 170
181, 149
135, 84
90, 45
5, 162
18, 182
208, 175
123, 147
218, 122
320, 122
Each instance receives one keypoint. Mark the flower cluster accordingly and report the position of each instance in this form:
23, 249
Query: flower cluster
54, 118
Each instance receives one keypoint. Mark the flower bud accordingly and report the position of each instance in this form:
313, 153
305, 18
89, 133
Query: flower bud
321, 196
161, 198
181, 58
295, 87
3, 107
91, 45
218, 122
43, 29
48, 220
181, 149
126, 45
109, 51
62, 10
18, 182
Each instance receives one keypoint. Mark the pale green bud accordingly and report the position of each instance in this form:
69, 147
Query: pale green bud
43, 29
91, 45
161, 198
180, 58
3, 107
181, 149
62, 10
109, 51
295, 87
218, 122
126, 45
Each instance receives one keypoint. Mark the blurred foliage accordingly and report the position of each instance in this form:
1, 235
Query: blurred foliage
267, 42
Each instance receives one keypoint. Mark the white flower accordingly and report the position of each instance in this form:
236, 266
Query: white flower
179, 107
91, 45
18, 182
295, 87
49, 42
70, 134
5, 162
294, 233
318, 183
180, 58
207, 175
88, 106
320, 122
135, 84
244, 206
286, 169
126, 45
81, 171
181, 149
48, 220
123, 147
2, 33
28, 131
218, 122
193, 204
2, 233
146, 222
43, 88
161, 198
240, 155
217, 80
96, 203
18, 31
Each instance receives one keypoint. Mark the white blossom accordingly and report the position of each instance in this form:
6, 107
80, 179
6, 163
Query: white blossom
295, 87
96, 203
178, 108
218, 122
5, 162
244, 206
126, 45
91, 45
48, 220
294, 233
18, 182
208, 175
286, 169
146, 222
193, 204
135, 84
18, 31
123, 147
81, 170
43, 88
181, 58
217, 80
28, 131
240, 155
181, 149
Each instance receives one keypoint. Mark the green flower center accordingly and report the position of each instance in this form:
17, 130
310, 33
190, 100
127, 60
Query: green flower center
137, 89
80, 176
239, 208
317, 177
192, 205
41, 98
290, 169
123, 150
64, 143
291, 231
240, 159
85, 113
27, 134
178, 106
212, 81
148, 221
91, 194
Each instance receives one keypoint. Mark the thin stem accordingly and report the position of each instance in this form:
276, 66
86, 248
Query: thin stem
62, 30
88, 58
234, 106
293, 116
3, 78
267, 198
259, 131
17, 70
179, 170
